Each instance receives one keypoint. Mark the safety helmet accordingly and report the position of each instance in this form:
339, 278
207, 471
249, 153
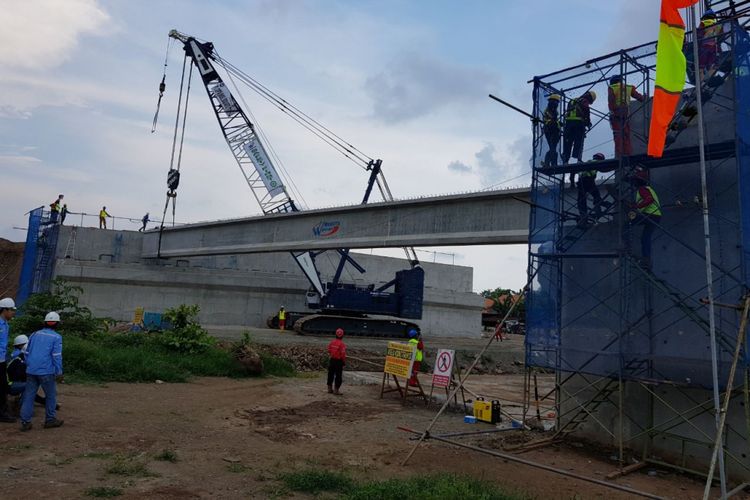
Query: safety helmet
52, 317
615, 79
554, 97
709, 14
7, 303
598, 157
412, 333
21, 340
339, 333
592, 95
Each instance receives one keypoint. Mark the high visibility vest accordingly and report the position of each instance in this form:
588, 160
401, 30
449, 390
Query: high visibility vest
55, 207
622, 94
589, 173
654, 208
710, 29
282, 314
103, 214
418, 357
572, 114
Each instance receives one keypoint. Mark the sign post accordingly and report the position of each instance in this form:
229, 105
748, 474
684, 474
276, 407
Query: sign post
443, 375
399, 362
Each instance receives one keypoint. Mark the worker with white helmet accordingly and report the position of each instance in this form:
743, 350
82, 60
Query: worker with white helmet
43, 365
17, 370
7, 311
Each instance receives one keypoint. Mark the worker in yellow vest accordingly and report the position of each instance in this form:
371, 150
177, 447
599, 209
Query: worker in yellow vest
647, 213
103, 218
619, 96
709, 32
282, 319
415, 338
577, 123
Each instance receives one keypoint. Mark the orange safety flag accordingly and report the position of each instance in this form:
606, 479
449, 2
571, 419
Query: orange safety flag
670, 72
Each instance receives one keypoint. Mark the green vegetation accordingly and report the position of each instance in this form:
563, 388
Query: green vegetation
186, 334
173, 355
317, 480
432, 487
103, 492
63, 298
167, 456
503, 298
127, 466
238, 468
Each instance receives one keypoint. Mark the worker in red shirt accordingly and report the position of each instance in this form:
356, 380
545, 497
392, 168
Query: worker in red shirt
337, 352
619, 98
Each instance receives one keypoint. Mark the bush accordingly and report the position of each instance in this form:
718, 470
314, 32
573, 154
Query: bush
63, 299
186, 335
314, 481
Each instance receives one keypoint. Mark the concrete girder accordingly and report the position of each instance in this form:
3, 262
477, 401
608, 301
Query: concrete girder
483, 218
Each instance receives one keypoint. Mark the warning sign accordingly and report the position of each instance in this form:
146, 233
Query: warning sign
399, 359
441, 375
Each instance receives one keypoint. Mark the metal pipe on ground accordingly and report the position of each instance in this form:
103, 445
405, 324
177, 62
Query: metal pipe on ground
513, 458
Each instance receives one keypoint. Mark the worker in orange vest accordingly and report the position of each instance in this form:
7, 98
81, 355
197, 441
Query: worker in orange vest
620, 95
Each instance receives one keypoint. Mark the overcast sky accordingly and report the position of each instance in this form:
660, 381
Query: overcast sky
403, 81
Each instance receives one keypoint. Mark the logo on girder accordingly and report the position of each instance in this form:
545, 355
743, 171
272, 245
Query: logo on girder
324, 229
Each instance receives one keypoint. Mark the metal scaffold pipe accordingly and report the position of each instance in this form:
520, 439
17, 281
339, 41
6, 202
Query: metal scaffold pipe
709, 270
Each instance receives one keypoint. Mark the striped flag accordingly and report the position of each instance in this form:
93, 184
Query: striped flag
670, 72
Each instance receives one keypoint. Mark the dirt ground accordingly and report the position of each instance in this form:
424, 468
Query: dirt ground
233, 437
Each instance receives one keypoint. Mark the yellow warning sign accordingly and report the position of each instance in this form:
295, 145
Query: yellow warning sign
138, 316
399, 359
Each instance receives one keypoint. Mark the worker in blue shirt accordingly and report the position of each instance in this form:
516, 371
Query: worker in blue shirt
43, 365
17, 370
7, 311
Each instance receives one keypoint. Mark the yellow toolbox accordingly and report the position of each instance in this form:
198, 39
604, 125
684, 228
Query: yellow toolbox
487, 411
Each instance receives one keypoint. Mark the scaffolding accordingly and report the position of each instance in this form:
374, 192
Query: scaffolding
627, 336
39, 254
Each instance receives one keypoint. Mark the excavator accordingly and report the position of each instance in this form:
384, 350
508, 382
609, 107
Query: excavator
333, 304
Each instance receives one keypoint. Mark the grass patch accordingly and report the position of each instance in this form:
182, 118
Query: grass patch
127, 467
97, 454
138, 357
167, 456
276, 366
317, 480
432, 487
103, 492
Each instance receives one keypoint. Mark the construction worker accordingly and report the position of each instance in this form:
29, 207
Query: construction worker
577, 123
647, 212
282, 319
7, 311
336, 362
619, 98
551, 129
587, 186
415, 338
63, 213
43, 366
145, 221
17, 370
103, 218
54, 209
708, 35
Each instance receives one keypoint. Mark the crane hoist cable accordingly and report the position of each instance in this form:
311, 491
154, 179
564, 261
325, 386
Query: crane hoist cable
312, 125
173, 176
162, 87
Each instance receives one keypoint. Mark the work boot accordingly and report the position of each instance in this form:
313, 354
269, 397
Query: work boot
51, 424
337, 392
25, 426
330, 389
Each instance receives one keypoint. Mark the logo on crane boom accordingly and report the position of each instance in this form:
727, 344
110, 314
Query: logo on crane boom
257, 154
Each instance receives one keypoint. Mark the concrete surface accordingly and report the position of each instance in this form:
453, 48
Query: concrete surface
242, 290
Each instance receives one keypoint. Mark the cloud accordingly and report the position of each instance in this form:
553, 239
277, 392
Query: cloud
41, 34
493, 166
414, 85
461, 168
